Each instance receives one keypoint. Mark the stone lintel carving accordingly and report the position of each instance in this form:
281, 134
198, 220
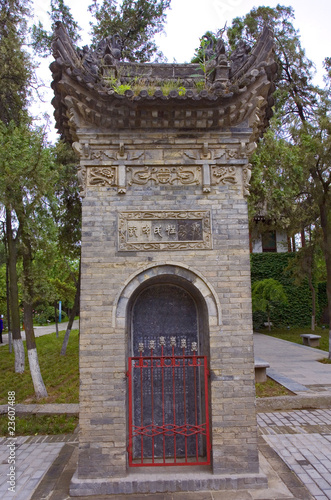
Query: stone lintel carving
164, 175
164, 230
105, 156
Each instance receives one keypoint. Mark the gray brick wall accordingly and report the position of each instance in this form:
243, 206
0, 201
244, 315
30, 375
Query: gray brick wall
222, 270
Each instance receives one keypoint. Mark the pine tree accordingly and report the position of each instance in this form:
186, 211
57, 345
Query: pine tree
136, 22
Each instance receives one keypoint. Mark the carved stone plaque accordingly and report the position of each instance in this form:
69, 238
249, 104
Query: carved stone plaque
164, 230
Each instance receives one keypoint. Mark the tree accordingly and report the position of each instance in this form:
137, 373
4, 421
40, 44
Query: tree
15, 77
266, 295
291, 174
314, 142
304, 267
295, 96
67, 209
136, 22
42, 39
26, 179
68, 216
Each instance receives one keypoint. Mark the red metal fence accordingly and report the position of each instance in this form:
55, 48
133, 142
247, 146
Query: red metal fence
168, 407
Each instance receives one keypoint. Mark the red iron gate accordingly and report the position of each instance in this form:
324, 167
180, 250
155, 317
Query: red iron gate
168, 407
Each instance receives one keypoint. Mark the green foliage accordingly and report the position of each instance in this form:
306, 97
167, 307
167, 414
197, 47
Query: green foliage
46, 314
293, 334
267, 295
275, 265
322, 297
139, 84
60, 373
135, 21
67, 211
27, 174
15, 64
295, 94
42, 39
277, 171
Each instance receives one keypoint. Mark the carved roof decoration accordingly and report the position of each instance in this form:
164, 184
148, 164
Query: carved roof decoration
238, 91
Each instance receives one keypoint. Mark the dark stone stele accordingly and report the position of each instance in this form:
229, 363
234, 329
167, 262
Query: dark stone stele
166, 311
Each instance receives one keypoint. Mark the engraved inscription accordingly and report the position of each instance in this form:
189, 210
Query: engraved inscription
177, 230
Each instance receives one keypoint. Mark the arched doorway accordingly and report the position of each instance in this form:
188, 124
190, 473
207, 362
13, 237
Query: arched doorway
168, 391
164, 310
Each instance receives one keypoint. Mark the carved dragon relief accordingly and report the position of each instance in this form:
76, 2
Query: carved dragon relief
224, 175
102, 176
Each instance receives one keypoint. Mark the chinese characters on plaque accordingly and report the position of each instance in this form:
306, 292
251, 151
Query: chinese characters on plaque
164, 230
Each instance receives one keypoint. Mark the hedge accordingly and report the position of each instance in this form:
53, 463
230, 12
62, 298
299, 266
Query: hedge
298, 310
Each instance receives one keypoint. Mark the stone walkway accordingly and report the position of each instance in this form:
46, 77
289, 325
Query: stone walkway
42, 330
303, 440
295, 453
293, 364
294, 445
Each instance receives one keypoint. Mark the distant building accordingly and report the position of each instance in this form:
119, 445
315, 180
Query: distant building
262, 240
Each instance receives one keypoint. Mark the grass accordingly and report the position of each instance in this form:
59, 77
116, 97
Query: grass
60, 373
293, 335
40, 424
270, 388
61, 377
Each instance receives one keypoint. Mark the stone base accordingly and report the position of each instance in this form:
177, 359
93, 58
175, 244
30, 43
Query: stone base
159, 482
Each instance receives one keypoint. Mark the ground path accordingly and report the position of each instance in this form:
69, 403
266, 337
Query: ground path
294, 445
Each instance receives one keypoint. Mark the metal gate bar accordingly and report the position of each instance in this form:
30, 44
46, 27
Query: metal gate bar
159, 380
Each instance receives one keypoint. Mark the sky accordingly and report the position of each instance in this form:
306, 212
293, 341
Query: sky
188, 20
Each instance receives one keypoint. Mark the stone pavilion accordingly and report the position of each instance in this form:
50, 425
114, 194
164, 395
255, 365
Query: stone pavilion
167, 397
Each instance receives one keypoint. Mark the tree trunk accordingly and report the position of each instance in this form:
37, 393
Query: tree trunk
326, 227
73, 313
8, 302
38, 383
14, 304
313, 303
303, 238
56, 320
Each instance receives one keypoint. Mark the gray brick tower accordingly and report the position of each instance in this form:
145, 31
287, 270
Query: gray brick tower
164, 177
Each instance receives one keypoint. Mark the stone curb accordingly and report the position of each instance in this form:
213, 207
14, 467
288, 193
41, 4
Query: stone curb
46, 409
299, 402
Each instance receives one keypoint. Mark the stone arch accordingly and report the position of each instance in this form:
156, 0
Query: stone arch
185, 274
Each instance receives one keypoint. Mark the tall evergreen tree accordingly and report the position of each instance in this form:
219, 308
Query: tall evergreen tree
26, 178
291, 178
15, 77
135, 21
42, 39
295, 96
